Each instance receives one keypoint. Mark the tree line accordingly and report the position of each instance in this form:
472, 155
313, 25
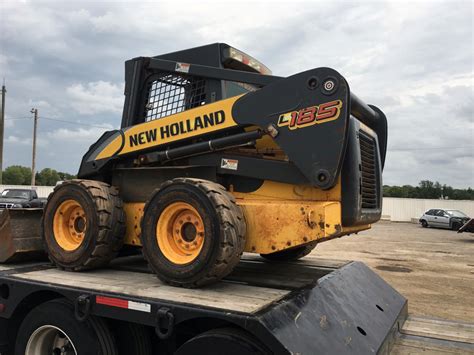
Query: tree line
428, 189
21, 175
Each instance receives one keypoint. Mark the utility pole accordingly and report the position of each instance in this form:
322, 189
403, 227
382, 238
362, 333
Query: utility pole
2, 125
33, 163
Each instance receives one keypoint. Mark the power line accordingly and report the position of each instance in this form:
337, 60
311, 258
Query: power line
57, 120
72, 122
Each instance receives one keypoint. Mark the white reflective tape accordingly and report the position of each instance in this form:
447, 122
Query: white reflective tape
137, 306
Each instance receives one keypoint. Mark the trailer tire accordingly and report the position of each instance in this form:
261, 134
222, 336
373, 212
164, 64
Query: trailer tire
132, 338
228, 340
193, 232
93, 237
290, 254
54, 320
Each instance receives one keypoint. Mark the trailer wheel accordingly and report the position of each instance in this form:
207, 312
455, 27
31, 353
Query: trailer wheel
192, 232
51, 328
83, 224
229, 341
291, 254
132, 338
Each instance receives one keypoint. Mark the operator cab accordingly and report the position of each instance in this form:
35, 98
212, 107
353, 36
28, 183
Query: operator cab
165, 93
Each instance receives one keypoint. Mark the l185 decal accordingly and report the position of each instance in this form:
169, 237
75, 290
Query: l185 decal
309, 116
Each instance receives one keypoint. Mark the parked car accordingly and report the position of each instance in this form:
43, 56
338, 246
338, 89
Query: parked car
444, 218
21, 198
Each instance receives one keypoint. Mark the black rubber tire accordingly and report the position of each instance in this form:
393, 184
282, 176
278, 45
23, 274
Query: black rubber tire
455, 226
89, 337
424, 224
224, 239
229, 341
132, 338
105, 229
290, 254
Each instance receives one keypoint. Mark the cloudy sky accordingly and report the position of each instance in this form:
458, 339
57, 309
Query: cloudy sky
412, 59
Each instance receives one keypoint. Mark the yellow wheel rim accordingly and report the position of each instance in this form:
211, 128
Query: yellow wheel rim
180, 233
69, 225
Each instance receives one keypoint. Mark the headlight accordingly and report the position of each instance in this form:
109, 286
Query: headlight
17, 205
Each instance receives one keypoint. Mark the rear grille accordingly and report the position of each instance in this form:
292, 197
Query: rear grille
6, 205
369, 179
173, 93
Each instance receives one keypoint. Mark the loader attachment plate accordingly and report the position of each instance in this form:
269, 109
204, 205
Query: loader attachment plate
20, 234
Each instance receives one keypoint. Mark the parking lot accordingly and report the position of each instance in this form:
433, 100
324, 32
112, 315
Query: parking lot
433, 268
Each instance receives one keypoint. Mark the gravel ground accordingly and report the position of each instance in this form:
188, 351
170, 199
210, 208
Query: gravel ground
433, 268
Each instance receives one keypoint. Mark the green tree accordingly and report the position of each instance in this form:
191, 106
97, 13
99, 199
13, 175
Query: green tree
66, 176
47, 177
17, 175
428, 189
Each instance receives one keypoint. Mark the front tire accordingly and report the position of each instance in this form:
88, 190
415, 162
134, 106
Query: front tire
193, 232
52, 328
290, 254
83, 224
424, 224
455, 226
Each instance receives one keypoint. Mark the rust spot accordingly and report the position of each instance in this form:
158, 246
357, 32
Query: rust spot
305, 239
253, 248
327, 225
273, 247
321, 225
288, 243
338, 228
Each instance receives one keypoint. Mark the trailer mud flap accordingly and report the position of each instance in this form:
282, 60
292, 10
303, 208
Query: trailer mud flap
20, 235
349, 311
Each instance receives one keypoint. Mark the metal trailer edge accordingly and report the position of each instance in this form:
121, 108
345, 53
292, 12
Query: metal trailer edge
305, 307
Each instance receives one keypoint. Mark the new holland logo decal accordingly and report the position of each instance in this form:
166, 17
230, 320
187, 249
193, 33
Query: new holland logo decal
309, 116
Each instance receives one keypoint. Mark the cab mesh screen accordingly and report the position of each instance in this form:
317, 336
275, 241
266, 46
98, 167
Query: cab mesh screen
173, 93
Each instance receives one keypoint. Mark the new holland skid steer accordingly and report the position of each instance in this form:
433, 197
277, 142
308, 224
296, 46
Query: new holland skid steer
216, 157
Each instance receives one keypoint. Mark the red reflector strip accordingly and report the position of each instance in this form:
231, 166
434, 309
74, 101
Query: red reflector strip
120, 303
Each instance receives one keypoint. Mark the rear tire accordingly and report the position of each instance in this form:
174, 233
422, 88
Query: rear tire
52, 325
132, 338
424, 224
83, 224
229, 341
193, 232
290, 254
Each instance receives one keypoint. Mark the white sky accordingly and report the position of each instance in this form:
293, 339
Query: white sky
412, 59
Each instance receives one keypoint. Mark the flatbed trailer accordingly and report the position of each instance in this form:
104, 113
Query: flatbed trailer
312, 306
305, 307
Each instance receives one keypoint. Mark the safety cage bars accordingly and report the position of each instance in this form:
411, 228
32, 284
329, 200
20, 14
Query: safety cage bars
169, 93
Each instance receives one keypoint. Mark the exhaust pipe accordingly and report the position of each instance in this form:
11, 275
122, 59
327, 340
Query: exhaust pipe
20, 235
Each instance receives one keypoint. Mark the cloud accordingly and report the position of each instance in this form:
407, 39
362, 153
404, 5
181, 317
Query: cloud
411, 59
83, 135
96, 97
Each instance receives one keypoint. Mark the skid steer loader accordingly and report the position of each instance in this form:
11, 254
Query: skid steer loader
216, 156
